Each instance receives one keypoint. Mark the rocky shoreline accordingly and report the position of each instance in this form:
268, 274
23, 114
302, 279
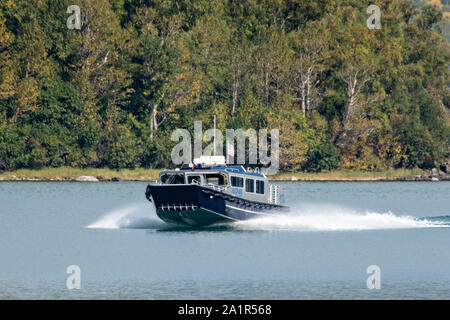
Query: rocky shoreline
59, 179
434, 177
437, 174
73, 179
381, 179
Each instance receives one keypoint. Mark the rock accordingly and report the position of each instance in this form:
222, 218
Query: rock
434, 174
407, 178
293, 178
434, 179
116, 179
422, 178
86, 179
445, 167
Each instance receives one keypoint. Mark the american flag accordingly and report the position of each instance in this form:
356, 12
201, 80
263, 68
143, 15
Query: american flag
230, 149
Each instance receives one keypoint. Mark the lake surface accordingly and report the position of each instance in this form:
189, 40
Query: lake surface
321, 250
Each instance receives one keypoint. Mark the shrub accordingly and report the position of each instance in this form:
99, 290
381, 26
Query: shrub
323, 157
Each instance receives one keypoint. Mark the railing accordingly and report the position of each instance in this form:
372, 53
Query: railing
274, 194
214, 187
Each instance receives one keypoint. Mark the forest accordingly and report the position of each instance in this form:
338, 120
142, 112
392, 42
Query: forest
343, 95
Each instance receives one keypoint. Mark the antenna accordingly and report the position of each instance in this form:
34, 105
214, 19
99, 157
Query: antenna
214, 134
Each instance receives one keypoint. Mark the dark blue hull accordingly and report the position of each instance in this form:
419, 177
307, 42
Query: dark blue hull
199, 206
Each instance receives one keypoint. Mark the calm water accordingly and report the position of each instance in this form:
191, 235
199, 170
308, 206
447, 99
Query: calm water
321, 250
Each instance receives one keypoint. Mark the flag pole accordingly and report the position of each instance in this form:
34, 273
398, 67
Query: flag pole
214, 135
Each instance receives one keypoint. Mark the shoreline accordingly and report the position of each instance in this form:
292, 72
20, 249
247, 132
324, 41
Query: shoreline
141, 174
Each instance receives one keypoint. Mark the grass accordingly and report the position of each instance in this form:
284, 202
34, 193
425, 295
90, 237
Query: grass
66, 173
141, 174
349, 175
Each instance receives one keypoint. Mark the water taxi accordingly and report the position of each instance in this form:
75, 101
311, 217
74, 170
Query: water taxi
210, 192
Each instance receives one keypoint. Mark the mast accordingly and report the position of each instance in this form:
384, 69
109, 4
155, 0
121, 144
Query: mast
214, 135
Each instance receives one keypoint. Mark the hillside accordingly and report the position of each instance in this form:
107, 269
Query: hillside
110, 94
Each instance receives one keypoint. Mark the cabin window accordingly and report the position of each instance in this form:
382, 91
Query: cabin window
260, 186
237, 182
249, 185
215, 179
172, 179
192, 178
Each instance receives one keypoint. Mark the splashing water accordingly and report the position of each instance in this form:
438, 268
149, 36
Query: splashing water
301, 218
332, 218
135, 216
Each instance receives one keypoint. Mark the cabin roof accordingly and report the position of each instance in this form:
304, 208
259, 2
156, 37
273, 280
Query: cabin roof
229, 169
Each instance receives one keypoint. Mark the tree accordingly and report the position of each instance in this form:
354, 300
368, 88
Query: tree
97, 51
7, 72
293, 146
111, 93
26, 66
271, 61
323, 157
310, 47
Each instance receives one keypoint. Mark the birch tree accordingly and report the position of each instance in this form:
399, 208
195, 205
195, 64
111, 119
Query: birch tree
356, 122
310, 47
97, 50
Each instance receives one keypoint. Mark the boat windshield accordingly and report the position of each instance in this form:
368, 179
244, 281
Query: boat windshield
172, 178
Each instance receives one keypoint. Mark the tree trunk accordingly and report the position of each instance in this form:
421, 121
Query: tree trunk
302, 93
308, 95
266, 85
153, 122
235, 93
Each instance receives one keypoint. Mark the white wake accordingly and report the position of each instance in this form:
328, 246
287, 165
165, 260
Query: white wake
139, 216
301, 218
332, 218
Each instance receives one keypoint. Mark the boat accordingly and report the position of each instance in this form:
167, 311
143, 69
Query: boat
211, 192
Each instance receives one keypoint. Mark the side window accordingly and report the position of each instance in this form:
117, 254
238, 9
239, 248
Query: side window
249, 185
215, 179
237, 182
260, 186
191, 178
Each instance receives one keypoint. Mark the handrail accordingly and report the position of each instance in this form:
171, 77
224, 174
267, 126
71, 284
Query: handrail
216, 187
211, 186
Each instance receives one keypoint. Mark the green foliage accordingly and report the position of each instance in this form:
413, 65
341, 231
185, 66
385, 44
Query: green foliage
13, 147
110, 94
421, 148
323, 157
